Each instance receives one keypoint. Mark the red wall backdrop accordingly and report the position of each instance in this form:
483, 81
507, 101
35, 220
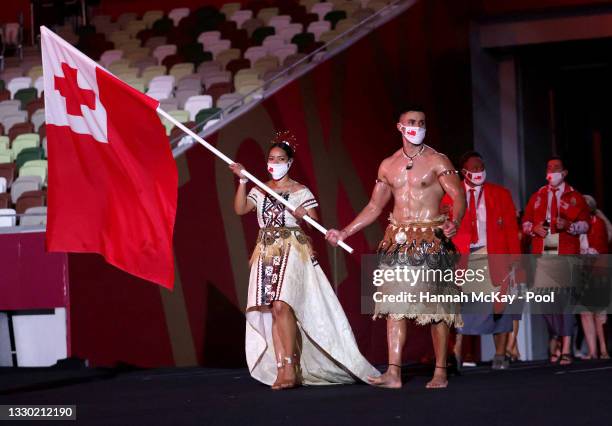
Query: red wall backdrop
20, 283
501, 7
10, 10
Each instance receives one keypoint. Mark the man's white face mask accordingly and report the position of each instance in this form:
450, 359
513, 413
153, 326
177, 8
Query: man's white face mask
477, 178
414, 135
278, 170
555, 178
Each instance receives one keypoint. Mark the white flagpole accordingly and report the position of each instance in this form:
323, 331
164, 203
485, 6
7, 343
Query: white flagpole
245, 173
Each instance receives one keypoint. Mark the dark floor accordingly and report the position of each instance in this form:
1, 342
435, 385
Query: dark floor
528, 394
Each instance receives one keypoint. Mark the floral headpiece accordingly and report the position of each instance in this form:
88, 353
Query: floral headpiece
285, 137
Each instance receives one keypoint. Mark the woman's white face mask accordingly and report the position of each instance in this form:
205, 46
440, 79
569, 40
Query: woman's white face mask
279, 170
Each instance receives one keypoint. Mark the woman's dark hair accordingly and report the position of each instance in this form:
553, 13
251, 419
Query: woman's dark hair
288, 150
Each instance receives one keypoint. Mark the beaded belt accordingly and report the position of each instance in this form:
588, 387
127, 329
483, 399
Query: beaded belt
268, 236
434, 223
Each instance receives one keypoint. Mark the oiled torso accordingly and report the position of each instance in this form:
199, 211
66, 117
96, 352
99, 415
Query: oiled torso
416, 192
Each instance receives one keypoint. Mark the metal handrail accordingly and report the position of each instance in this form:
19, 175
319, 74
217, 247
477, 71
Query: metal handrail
23, 214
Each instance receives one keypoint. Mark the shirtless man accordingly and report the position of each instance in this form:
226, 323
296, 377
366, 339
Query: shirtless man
417, 177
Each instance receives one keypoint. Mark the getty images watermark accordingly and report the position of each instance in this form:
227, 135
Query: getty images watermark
411, 276
480, 283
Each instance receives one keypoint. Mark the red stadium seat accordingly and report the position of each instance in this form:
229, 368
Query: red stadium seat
7, 171
177, 133
311, 47
238, 64
241, 40
218, 89
30, 199
256, 6
179, 37
288, 7
94, 45
307, 19
297, 13
35, 105
188, 25
19, 129
204, 12
145, 35
194, 52
227, 28
171, 60
5, 200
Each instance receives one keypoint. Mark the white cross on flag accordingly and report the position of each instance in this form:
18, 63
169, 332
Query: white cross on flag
75, 98
112, 185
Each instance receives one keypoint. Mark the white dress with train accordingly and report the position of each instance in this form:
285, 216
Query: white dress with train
283, 267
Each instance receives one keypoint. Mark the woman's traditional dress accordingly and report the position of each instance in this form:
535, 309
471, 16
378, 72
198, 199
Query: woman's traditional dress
283, 267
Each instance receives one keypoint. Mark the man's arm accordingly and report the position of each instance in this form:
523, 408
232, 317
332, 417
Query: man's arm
451, 184
381, 194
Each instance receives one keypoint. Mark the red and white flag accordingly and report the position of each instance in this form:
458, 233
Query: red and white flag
112, 185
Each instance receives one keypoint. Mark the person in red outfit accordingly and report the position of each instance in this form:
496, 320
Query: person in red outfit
555, 217
566, 215
489, 227
598, 239
595, 242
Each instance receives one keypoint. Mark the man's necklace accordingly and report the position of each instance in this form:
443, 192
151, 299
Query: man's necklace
412, 157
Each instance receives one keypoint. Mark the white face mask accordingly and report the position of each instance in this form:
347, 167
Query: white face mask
414, 135
278, 170
477, 178
555, 178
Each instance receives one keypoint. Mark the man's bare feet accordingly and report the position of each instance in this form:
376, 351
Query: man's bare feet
438, 380
386, 380
391, 379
